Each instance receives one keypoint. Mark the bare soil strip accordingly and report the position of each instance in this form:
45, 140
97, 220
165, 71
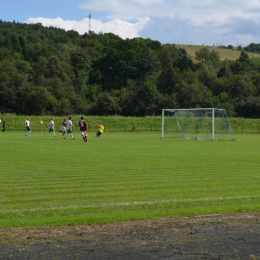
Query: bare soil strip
227, 236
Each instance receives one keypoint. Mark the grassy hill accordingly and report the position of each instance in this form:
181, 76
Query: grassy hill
223, 53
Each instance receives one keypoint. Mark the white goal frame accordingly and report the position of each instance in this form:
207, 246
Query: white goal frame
192, 109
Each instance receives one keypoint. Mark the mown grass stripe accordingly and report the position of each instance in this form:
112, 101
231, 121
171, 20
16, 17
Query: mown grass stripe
123, 176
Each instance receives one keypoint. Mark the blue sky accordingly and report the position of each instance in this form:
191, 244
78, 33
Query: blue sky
208, 22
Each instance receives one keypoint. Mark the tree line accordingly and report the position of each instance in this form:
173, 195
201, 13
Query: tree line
47, 70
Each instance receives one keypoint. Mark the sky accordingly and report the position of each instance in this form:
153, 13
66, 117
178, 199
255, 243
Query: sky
193, 22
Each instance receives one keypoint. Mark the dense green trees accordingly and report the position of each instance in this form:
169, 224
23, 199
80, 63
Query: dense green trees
51, 71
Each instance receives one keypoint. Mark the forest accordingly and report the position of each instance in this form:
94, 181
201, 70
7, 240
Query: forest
50, 71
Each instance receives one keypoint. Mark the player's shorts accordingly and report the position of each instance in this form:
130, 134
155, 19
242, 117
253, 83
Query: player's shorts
98, 133
84, 133
63, 129
28, 128
69, 131
51, 130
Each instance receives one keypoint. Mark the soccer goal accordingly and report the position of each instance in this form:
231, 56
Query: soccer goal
197, 124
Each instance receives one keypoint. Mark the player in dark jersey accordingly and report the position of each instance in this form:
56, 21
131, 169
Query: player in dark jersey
63, 127
84, 129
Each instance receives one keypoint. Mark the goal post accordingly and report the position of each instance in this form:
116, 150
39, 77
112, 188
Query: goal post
197, 124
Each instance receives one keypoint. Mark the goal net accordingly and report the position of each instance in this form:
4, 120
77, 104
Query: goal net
197, 124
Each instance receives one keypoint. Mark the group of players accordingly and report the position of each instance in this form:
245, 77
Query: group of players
66, 128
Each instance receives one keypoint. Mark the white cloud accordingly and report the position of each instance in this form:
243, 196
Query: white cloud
148, 2
119, 27
176, 21
122, 28
197, 12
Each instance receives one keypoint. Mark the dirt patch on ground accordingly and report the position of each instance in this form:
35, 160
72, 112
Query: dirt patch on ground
235, 236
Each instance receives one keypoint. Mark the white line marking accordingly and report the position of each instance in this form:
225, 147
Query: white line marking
151, 202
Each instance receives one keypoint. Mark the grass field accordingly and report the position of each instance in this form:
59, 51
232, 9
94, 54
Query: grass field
224, 54
123, 176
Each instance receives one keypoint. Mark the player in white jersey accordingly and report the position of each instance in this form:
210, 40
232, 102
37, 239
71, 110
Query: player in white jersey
69, 128
28, 127
51, 128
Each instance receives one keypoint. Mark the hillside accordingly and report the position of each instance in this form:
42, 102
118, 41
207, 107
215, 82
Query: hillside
223, 53
50, 71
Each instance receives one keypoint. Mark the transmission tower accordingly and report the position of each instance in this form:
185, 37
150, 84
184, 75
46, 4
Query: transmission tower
89, 25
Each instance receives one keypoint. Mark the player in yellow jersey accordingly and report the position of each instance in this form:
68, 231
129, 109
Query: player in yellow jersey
101, 129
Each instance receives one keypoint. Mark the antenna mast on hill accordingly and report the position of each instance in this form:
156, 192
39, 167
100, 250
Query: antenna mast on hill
89, 25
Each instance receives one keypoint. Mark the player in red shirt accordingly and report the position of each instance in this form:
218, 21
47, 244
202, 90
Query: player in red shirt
84, 129
63, 127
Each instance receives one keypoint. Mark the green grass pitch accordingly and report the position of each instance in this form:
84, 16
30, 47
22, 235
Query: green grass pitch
123, 176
